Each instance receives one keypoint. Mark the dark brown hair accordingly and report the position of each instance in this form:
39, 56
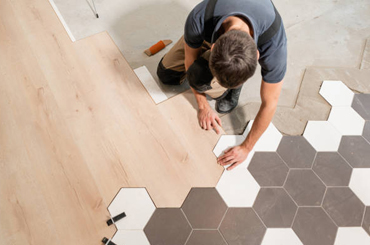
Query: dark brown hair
233, 58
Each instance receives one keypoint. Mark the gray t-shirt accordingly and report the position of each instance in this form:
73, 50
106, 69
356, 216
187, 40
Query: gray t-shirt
260, 14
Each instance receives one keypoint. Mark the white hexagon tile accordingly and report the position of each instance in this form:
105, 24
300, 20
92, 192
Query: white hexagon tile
336, 93
280, 236
130, 237
322, 136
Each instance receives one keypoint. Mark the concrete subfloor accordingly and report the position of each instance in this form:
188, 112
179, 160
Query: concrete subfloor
329, 33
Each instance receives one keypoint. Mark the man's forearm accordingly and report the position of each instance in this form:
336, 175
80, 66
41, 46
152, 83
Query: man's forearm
201, 99
261, 122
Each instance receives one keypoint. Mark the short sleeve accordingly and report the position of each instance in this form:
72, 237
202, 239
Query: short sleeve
193, 30
273, 58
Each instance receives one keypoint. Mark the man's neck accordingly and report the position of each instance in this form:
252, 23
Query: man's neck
237, 23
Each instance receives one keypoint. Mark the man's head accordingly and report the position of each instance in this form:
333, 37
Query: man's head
233, 58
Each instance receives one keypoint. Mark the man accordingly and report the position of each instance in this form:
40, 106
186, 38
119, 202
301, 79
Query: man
222, 43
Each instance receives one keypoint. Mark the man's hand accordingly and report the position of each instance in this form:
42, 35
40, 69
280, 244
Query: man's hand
233, 156
208, 119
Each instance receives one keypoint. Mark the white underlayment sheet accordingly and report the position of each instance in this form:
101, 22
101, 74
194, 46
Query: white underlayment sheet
320, 33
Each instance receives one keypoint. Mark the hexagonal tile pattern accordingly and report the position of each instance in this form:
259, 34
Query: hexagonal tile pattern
296, 152
268, 169
360, 184
332, 169
130, 237
366, 222
313, 226
356, 150
204, 208
366, 132
336, 93
346, 120
238, 188
167, 226
137, 205
275, 207
343, 206
278, 236
361, 104
305, 187
242, 226
206, 237
352, 235
322, 135
270, 139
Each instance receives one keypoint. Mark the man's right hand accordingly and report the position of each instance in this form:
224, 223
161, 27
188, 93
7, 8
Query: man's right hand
208, 119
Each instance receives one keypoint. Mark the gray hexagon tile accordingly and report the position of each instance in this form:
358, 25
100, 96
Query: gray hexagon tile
275, 207
343, 206
296, 152
366, 132
366, 221
313, 226
242, 226
268, 169
204, 208
167, 226
305, 187
361, 104
332, 169
206, 237
356, 150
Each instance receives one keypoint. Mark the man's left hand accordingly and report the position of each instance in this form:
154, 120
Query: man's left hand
233, 156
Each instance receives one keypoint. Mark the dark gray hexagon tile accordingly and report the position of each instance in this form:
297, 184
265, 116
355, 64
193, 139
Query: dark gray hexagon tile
204, 208
242, 226
343, 206
167, 226
275, 207
366, 222
314, 227
366, 132
268, 169
206, 237
332, 169
361, 104
305, 187
356, 150
296, 152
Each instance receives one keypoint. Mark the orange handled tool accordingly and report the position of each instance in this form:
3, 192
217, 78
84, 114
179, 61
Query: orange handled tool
157, 47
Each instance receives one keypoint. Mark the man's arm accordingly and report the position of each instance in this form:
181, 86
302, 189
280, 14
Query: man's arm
269, 95
207, 118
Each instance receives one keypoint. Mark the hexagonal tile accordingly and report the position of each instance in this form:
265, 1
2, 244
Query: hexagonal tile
332, 169
242, 226
361, 104
336, 93
275, 207
204, 208
296, 152
343, 206
322, 135
313, 226
360, 184
346, 120
270, 139
366, 132
356, 150
268, 169
130, 237
238, 188
305, 187
278, 236
167, 226
366, 222
352, 235
206, 237
228, 141
137, 205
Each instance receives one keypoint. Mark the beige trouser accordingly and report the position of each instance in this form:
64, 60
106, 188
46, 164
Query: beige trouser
171, 69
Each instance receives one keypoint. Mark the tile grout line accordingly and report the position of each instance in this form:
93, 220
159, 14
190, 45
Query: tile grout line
191, 232
363, 216
218, 228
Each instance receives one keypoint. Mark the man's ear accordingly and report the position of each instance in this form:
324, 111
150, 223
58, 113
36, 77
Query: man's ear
213, 46
258, 55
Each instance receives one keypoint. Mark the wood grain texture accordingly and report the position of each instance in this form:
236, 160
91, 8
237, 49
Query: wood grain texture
76, 125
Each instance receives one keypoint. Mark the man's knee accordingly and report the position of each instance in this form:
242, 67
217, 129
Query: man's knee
168, 76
